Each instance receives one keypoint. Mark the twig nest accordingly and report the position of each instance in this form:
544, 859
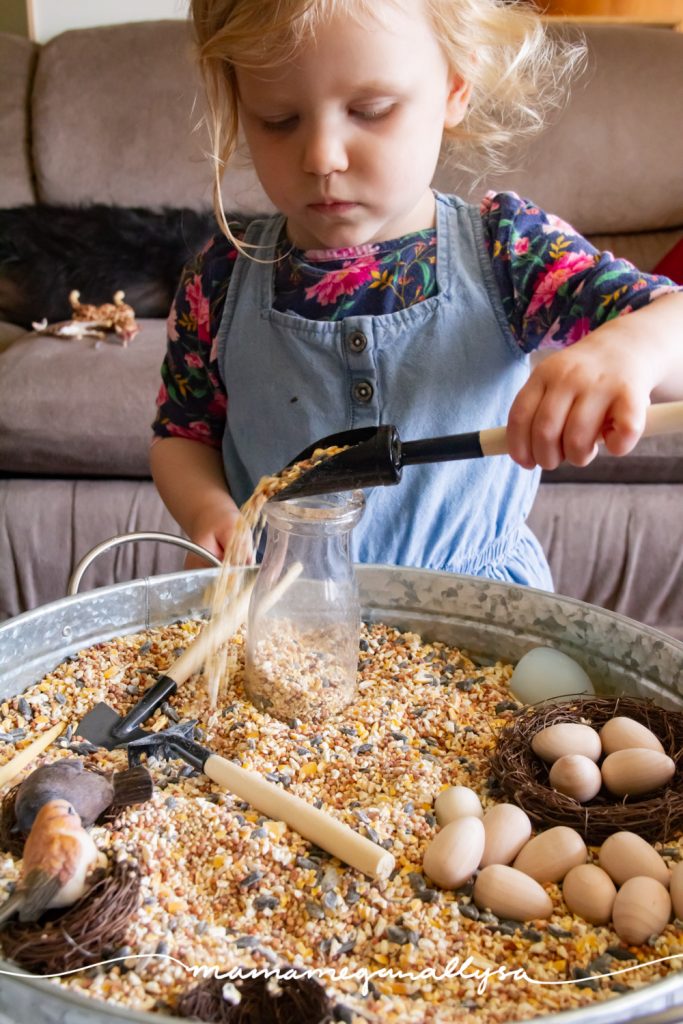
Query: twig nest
82, 934
256, 1000
524, 777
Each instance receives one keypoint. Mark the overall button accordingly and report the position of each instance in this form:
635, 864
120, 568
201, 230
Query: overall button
363, 391
357, 341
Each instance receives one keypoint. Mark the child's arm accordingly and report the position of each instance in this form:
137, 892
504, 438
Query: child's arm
189, 477
185, 456
610, 336
605, 378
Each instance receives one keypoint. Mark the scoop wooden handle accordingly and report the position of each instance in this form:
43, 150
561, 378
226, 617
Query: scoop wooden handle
321, 828
664, 418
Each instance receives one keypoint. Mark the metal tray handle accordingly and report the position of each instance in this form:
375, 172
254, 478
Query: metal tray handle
125, 538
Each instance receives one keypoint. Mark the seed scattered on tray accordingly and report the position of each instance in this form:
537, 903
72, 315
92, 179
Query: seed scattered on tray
226, 887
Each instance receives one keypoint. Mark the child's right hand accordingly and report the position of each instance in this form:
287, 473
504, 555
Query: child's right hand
599, 388
189, 477
220, 528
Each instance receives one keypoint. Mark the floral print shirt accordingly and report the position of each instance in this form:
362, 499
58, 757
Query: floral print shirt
554, 285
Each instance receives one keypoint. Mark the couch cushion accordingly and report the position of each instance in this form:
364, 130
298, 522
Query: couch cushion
653, 460
9, 333
47, 526
72, 408
17, 57
643, 248
115, 112
625, 554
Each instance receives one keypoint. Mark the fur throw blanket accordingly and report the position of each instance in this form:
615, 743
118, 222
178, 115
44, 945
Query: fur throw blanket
47, 251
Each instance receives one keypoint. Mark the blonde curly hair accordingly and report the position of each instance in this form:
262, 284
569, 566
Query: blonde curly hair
517, 72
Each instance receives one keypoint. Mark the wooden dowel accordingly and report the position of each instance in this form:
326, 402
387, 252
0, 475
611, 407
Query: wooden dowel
314, 824
10, 770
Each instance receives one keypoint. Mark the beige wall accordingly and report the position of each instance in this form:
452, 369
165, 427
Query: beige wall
13, 17
49, 17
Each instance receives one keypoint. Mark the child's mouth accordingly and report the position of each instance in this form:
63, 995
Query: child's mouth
332, 207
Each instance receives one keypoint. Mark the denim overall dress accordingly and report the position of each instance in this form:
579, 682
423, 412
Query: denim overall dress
446, 365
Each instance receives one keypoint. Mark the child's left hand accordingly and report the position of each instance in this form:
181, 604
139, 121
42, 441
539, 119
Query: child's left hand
599, 388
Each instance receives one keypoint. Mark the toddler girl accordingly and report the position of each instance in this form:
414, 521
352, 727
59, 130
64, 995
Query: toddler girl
371, 299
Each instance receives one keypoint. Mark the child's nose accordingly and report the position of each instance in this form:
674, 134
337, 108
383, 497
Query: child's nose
324, 151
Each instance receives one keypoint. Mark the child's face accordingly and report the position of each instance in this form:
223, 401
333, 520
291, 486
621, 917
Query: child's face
345, 138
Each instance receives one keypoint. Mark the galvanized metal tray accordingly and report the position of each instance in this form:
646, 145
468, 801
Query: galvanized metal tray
491, 620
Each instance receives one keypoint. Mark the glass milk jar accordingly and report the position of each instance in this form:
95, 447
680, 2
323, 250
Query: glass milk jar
304, 616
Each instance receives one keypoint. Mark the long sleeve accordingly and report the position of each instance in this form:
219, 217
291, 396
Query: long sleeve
555, 286
192, 399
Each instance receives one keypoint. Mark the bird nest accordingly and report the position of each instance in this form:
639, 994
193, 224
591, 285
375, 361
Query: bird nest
524, 776
300, 1000
81, 935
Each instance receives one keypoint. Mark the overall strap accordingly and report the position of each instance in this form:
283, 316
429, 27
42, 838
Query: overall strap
262, 234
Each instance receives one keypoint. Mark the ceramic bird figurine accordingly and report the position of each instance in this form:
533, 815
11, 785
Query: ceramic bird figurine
58, 857
88, 792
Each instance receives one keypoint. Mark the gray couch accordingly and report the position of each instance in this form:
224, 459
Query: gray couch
107, 115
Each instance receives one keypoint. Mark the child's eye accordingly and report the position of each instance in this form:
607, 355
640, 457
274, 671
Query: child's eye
282, 125
373, 113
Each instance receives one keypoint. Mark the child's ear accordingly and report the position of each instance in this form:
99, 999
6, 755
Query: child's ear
457, 102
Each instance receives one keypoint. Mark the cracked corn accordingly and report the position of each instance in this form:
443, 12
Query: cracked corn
226, 887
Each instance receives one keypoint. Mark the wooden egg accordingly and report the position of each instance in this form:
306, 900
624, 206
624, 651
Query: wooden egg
621, 733
457, 802
634, 771
511, 894
576, 776
547, 674
454, 853
676, 889
642, 908
507, 829
549, 856
589, 892
566, 738
625, 855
